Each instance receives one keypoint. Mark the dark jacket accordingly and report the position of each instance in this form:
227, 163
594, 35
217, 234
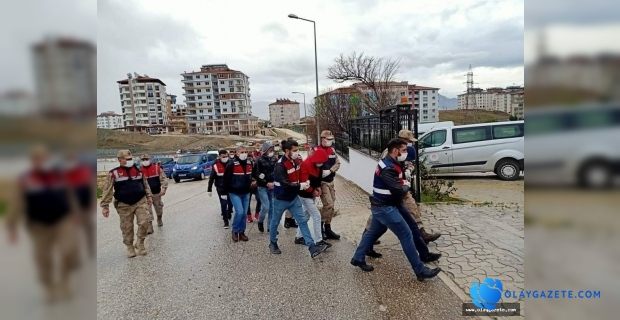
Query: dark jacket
217, 176
388, 177
238, 176
286, 179
263, 170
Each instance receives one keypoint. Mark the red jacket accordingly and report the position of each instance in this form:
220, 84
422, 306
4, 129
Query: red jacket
309, 172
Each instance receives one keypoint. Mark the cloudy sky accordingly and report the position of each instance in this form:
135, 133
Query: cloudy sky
435, 40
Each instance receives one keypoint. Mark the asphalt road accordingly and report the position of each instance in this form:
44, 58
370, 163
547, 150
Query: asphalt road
193, 270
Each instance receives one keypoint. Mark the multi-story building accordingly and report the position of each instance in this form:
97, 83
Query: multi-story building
178, 118
143, 103
425, 99
109, 120
66, 76
508, 100
218, 101
283, 112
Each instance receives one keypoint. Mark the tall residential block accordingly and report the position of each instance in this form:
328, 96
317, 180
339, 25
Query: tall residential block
143, 103
218, 101
283, 112
66, 76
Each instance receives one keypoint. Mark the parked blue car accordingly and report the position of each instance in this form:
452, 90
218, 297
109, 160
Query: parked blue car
193, 166
166, 163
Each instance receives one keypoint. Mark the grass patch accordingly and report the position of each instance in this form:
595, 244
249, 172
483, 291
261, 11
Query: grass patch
430, 198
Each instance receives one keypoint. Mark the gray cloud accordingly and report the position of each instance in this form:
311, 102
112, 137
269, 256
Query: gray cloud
277, 53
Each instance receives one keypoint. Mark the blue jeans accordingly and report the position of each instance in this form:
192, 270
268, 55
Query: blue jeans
266, 204
420, 245
240, 202
388, 217
294, 206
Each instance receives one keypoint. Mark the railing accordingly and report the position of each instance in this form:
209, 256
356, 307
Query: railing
342, 145
371, 134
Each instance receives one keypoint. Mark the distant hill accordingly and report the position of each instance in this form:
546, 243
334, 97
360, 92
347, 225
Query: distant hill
460, 117
447, 103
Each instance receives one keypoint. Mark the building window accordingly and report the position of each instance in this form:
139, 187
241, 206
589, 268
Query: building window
221, 82
157, 88
158, 101
222, 89
208, 96
424, 93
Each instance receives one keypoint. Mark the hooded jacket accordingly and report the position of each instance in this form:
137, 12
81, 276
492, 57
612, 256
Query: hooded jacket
309, 172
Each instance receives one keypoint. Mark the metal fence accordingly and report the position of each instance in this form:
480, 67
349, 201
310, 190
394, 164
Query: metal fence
370, 135
342, 145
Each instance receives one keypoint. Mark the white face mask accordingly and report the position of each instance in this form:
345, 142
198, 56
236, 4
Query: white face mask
328, 143
243, 156
270, 154
295, 155
146, 163
129, 163
318, 165
224, 159
410, 144
402, 157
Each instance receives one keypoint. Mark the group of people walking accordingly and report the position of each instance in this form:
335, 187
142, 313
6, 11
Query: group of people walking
284, 182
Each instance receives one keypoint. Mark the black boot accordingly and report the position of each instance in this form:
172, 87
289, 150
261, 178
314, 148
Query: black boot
273, 247
362, 265
293, 223
329, 234
287, 222
300, 240
261, 227
431, 257
323, 230
373, 254
429, 237
427, 273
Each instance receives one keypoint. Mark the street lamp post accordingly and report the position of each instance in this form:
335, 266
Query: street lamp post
316, 75
305, 116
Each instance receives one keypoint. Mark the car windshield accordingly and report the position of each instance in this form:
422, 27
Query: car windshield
189, 159
211, 157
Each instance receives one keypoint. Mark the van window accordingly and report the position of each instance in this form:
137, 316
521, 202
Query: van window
464, 135
211, 157
433, 139
508, 131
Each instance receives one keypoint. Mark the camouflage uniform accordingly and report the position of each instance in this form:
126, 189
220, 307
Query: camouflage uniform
127, 211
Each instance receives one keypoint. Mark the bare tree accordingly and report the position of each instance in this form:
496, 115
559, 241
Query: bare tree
334, 109
374, 73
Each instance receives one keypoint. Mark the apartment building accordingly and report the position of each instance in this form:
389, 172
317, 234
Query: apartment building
425, 99
143, 103
508, 100
109, 120
283, 112
178, 118
218, 101
66, 76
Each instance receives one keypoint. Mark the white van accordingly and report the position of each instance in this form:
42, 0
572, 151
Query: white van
484, 147
426, 127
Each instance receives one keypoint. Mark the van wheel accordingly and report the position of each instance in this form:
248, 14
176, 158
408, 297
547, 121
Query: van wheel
202, 176
177, 180
595, 175
508, 169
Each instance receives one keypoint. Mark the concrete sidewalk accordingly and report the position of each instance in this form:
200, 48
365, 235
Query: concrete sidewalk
477, 241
